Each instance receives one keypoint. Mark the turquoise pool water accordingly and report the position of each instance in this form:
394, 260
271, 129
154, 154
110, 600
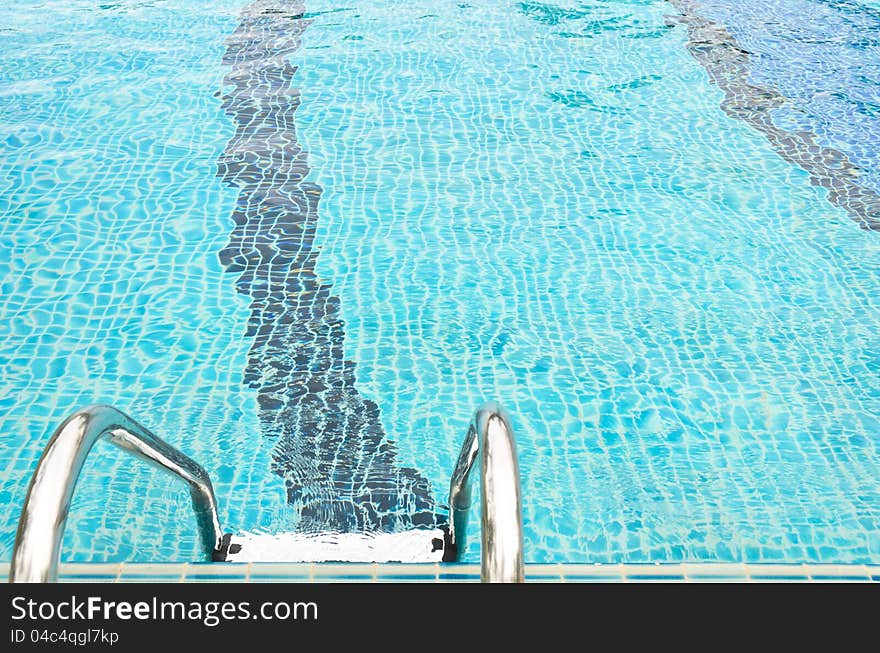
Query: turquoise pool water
548, 205
112, 291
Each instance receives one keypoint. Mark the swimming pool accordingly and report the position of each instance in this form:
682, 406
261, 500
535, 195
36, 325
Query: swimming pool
302, 241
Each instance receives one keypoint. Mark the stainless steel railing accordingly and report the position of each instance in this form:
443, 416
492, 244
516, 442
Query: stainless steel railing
41, 527
491, 438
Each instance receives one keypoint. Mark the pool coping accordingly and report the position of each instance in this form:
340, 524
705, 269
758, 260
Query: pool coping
124, 572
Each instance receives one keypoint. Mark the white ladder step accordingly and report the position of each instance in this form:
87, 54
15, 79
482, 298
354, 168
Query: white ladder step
419, 545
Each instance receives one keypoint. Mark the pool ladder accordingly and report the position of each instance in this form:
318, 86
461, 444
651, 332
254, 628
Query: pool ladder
489, 438
37, 546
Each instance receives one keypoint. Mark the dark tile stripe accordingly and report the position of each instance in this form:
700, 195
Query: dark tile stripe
728, 66
340, 471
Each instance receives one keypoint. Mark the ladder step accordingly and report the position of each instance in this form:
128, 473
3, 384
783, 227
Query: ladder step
418, 545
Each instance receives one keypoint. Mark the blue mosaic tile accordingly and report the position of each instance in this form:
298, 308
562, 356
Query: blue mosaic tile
303, 242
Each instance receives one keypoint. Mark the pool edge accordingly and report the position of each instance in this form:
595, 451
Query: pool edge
435, 572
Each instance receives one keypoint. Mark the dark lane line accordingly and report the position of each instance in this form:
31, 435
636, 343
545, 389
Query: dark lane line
340, 471
727, 64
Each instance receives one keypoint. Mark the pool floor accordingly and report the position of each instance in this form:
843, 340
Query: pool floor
302, 243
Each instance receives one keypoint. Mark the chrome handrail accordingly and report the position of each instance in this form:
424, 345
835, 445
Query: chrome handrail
490, 437
41, 527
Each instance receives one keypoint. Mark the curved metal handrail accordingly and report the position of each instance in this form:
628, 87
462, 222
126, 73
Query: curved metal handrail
41, 527
491, 437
